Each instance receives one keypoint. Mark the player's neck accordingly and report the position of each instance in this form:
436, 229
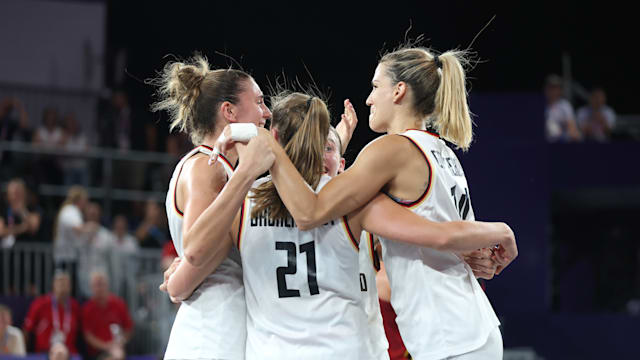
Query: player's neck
405, 122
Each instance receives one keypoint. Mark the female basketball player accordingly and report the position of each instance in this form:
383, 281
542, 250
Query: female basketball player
317, 312
413, 88
211, 325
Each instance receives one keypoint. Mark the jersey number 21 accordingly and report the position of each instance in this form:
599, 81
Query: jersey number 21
290, 247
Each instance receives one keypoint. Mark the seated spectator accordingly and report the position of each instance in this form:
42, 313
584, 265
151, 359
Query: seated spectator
75, 141
107, 325
49, 136
19, 221
54, 318
11, 339
560, 119
14, 121
596, 120
152, 231
14, 126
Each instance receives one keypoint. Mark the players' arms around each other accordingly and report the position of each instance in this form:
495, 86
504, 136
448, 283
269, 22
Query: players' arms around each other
210, 246
201, 101
451, 236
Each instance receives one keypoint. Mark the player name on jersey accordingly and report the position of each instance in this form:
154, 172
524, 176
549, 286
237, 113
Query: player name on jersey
452, 163
264, 220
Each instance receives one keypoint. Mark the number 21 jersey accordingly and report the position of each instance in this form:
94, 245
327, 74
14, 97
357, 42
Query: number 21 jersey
302, 290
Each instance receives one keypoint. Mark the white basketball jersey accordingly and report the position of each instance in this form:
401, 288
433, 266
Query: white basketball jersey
369, 267
442, 310
212, 322
302, 290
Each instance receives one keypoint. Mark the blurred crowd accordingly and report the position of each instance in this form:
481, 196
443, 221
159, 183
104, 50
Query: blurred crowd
594, 121
95, 255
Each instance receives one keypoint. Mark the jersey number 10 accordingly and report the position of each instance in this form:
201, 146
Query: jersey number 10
461, 205
291, 268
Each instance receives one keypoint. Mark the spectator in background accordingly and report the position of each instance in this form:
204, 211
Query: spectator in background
14, 121
19, 221
596, 120
14, 126
152, 231
124, 242
54, 318
93, 249
70, 230
560, 118
107, 325
11, 338
124, 263
48, 136
75, 141
114, 122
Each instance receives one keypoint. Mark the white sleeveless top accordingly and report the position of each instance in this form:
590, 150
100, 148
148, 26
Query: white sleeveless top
302, 289
369, 267
442, 310
211, 324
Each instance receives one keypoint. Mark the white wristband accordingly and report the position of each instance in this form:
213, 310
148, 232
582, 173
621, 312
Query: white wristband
243, 132
240, 132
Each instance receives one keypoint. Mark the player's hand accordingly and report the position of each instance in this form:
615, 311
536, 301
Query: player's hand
506, 251
347, 124
223, 144
482, 263
257, 156
167, 274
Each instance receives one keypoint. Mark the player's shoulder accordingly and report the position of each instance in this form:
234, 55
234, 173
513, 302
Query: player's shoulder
387, 148
198, 172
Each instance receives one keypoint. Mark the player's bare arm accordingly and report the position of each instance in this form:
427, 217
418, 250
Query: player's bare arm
383, 217
376, 165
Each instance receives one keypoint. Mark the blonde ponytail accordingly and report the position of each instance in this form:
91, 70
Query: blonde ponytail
452, 116
438, 87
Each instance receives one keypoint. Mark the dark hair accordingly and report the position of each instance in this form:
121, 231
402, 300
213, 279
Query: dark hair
303, 124
192, 93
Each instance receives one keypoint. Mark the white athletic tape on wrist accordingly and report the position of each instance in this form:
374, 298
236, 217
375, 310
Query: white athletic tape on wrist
240, 132
243, 132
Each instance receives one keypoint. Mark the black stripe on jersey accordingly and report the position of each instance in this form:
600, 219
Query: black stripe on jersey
350, 233
175, 192
241, 222
374, 254
426, 191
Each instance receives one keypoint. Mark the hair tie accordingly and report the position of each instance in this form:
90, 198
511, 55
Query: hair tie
436, 60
